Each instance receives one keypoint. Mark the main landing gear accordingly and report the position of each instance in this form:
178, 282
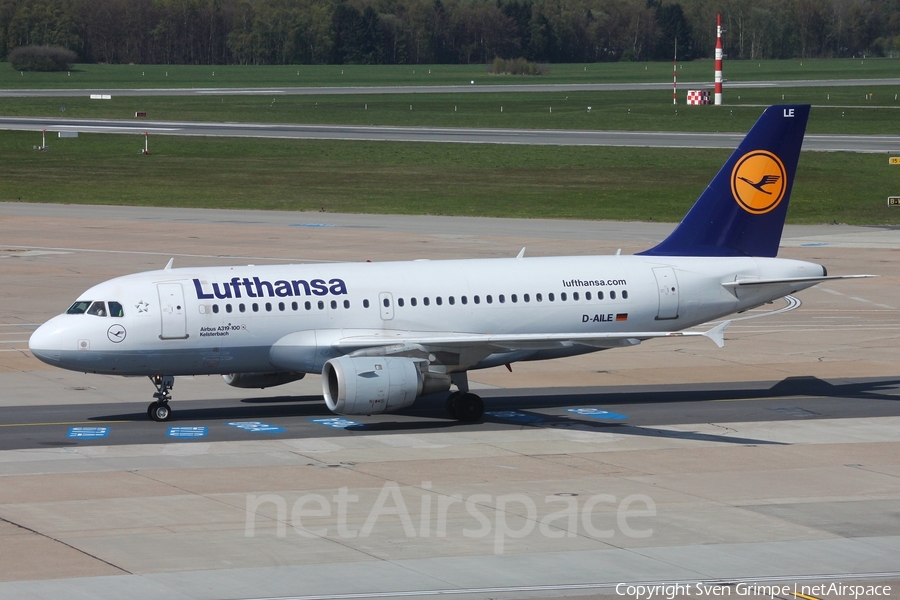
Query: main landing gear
159, 409
464, 405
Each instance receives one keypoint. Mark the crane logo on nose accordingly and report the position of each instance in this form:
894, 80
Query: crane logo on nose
116, 333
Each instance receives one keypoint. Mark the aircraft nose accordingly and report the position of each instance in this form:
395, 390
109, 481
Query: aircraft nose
45, 342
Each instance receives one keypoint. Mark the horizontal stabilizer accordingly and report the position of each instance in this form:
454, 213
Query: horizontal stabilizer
761, 282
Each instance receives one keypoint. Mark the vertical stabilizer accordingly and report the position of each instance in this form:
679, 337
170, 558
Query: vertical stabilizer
742, 211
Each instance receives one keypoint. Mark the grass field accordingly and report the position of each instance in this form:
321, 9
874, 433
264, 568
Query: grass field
837, 110
386, 177
163, 76
483, 180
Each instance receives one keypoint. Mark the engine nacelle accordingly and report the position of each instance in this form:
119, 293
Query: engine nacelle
260, 380
368, 385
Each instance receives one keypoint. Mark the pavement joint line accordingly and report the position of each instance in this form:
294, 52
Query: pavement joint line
147, 253
804, 596
75, 548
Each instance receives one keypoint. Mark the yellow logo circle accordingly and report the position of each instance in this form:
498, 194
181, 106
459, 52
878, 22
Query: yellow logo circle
758, 182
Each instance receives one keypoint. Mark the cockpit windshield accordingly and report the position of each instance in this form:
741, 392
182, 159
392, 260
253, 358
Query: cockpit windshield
79, 307
97, 308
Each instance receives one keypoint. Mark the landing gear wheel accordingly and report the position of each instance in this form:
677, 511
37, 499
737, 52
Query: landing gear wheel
471, 408
453, 404
159, 411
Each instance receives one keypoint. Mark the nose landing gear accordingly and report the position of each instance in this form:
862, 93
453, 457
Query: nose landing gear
159, 409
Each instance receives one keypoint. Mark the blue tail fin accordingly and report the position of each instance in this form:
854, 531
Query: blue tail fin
742, 211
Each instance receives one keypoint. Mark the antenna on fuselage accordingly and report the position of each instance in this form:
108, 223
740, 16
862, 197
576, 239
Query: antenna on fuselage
169, 264
521, 253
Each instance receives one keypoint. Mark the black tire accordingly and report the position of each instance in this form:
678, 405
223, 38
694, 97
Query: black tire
471, 408
161, 412
453, 403
151, 408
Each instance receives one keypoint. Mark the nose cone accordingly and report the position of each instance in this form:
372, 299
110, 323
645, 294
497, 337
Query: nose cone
46, 342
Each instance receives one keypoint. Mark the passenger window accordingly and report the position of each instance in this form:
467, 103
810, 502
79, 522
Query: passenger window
386, 302
307, 305
115, 310
281, 306
477, 300
574, 295
488, 299
294, 306
538, 297
425, 301
241, 307
451, 300
501, 298
562, 296
464, 300
399, 302
412, 301
268, 307
333, 304
216, 308
228, 308
612, 295
514, 298
587, 295
438, 301
255, 307
551, 297
527, 298
624, 294
365, 304
321, 305
346, 304
98, 309
599, 295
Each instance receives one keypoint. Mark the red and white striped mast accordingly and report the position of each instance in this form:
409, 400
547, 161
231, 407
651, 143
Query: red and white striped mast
718, 60
675, 75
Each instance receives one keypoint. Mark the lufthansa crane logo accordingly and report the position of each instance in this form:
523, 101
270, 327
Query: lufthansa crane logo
759, 182
116, 333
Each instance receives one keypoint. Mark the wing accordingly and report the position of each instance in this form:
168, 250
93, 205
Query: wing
308, 350
521, 341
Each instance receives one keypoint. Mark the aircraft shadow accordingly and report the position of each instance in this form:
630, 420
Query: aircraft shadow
429, 413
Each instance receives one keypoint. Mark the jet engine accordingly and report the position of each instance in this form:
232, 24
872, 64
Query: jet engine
368, 385
260, 380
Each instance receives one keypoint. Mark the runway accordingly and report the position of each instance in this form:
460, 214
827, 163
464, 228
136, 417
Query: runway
467, 135
775, 460
464, 88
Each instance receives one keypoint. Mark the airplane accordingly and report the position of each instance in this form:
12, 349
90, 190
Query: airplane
384, 334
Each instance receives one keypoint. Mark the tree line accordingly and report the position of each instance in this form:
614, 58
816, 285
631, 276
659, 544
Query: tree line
445, 31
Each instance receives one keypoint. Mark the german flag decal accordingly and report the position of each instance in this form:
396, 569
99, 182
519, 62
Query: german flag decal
622, 317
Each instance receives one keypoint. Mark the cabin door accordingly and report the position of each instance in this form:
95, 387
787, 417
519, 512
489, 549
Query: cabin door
667, 286
173, 324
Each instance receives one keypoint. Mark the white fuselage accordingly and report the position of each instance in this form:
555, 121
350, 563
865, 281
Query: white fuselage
218, 320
